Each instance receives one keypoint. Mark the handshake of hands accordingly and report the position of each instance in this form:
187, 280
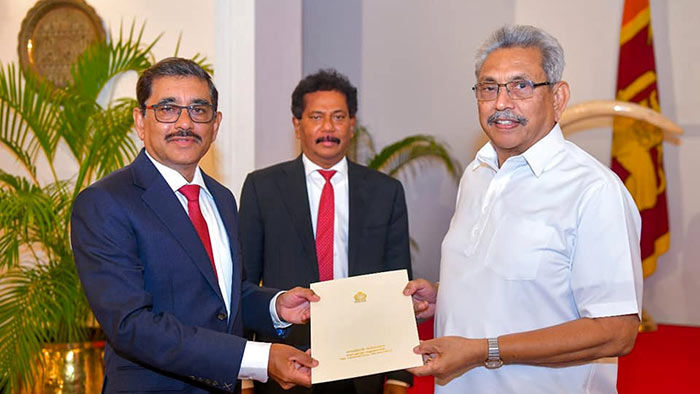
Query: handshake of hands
290, 366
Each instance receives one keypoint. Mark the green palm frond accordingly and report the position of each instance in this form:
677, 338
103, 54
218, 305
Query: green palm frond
93, 70
201, 60
405, 154
33, 219
28, 117
109, 143
361, 149
17, 351
114, 133
103, 61
26, 212
197, 58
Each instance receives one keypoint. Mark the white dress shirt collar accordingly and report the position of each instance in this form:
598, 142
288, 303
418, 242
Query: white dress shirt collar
174, 179
538, 156
310, 166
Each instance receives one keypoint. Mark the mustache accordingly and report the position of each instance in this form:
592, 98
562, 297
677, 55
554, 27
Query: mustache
328, 138
183, 133
507, 115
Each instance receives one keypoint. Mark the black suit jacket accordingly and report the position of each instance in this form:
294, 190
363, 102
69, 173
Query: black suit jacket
278, 241
150, 284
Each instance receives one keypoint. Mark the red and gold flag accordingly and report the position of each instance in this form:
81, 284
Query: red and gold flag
637, 148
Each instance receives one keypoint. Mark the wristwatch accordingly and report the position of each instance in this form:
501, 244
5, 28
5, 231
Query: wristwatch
494, 360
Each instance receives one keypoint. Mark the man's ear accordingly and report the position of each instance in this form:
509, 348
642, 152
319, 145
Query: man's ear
217, 123
561, 95
296, 122
139, 123
353, 124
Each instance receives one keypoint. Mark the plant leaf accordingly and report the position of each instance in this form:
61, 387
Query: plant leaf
28, 117
407, 152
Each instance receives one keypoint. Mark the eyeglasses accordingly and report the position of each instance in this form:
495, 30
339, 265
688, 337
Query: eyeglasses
518, 89
170, 113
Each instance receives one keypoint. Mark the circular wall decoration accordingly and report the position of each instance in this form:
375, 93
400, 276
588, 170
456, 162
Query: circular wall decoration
53, 34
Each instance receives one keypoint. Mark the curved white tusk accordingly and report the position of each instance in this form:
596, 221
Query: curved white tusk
597, 113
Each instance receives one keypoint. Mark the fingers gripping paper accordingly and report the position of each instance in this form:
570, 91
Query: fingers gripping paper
363, 325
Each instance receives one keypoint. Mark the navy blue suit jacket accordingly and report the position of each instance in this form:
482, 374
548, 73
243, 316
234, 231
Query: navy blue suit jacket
150, 284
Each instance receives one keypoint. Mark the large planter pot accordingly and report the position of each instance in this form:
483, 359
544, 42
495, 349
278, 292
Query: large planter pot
70, 368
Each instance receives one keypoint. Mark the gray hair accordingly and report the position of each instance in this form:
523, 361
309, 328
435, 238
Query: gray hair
521, 36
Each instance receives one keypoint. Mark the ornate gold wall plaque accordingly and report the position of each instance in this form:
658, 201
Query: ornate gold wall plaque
53, 34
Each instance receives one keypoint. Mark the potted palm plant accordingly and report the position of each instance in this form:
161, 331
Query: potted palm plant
403, 155
41, 299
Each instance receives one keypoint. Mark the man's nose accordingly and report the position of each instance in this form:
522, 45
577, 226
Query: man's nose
184, 121
503, 99
328, 124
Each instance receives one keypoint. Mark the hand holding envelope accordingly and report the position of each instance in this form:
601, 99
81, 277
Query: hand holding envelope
424, 295
363, 325
289, 366
293, 305
286, 365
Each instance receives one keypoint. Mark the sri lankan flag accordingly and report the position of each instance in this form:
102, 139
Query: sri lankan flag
637, 148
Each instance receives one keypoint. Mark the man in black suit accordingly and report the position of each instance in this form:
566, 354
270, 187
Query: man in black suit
156, 247
284, 217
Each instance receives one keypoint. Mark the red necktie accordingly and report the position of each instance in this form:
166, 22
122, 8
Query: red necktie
324, 228
191, 192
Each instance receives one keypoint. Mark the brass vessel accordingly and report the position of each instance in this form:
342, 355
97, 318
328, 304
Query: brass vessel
647, 324
69, 368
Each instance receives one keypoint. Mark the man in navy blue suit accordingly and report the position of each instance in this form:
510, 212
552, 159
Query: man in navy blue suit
156, 246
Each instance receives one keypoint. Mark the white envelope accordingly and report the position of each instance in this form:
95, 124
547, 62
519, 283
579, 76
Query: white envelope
362, 325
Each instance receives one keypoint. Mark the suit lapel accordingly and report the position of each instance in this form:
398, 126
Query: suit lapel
161, 200
357, 212
296, 199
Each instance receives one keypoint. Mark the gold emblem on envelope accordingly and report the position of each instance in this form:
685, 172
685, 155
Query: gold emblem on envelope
360, 297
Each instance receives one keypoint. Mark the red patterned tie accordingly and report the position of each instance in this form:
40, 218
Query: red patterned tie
191, 192
324, 228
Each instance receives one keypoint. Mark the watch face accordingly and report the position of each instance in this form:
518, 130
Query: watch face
493, 364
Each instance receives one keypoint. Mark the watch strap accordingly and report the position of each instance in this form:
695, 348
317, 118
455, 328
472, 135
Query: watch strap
494, 357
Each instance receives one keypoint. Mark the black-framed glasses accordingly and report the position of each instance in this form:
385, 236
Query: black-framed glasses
170, 113
518, 89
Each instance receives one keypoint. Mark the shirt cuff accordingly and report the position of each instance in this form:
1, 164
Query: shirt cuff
609, 309
254, 361
276, 321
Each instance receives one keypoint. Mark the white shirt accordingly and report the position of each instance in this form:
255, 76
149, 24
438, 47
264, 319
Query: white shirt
314, 186
255, 354
550, 237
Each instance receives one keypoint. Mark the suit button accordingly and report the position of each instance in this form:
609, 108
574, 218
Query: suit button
221, 316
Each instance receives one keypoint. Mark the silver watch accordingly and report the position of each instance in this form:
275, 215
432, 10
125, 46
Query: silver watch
494, 360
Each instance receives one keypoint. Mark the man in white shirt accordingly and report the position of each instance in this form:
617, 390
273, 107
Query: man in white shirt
322, 217
156, 246
540, 279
